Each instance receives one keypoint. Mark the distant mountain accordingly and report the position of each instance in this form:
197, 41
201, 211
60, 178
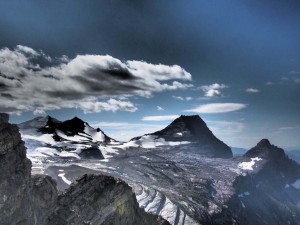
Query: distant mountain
238, 151
190, 132
47, 136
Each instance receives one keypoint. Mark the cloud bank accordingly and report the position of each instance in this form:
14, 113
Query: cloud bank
30, 80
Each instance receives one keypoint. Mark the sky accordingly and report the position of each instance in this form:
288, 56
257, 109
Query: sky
131, 67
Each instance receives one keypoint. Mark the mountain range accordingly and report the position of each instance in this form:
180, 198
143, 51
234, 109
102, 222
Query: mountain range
47, 137
183, 172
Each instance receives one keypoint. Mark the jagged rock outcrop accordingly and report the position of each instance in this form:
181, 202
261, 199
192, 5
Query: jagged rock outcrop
34, 200
98, 199
22, 198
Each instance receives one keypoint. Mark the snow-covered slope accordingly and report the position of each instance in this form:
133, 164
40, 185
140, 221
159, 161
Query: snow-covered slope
47, 137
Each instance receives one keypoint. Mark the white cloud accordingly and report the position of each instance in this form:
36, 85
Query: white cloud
93, 83
160, 118
289, 128
252, 90
178, 97
213, 90
39, 112
183, 98
111, 105
217, 108
225, 128
25, 49
269, 83
213, 93
297, 80
158, 71
159, 108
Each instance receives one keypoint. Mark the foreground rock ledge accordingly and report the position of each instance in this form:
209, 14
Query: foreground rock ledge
34, 200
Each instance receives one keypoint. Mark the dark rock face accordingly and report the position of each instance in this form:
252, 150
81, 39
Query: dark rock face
194, 130
100, 200
26, 200
21, 201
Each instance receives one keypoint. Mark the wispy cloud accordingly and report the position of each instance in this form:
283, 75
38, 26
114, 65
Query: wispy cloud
252, 90
217, 108
183, 98
32, 81
159, 108
294, 72
289, 128
285, 78
213, 90
160, 118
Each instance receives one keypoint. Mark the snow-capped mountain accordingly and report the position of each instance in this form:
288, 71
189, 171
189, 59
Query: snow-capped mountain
179, 172
47, 136
185, 132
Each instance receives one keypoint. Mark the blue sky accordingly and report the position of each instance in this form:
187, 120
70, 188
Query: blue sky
130, 67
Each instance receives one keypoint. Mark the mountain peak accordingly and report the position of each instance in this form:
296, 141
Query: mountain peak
193, 129
264, 143
264, 149
76, 119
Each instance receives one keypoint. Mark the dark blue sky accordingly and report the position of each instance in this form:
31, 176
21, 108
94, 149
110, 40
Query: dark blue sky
242, 55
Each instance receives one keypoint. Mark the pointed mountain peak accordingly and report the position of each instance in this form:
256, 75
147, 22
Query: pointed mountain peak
264, 149
193, 123
191, 120
193, 129
264, 143
76, 119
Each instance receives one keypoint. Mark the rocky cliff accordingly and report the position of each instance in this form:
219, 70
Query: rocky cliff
23, 199
29, 200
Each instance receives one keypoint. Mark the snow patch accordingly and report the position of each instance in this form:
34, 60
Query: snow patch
62, 176
94, 134
46, 138
249, 165
76, 138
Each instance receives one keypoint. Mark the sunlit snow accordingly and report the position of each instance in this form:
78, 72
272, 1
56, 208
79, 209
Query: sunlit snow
249, 165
